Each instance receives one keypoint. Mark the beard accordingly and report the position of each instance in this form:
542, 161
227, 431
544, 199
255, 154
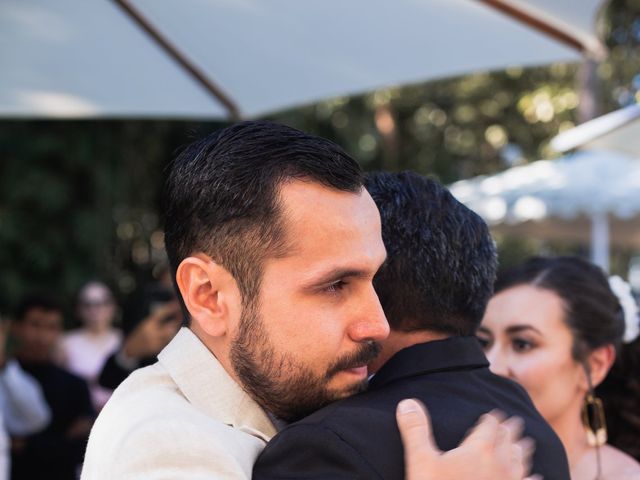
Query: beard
279, 382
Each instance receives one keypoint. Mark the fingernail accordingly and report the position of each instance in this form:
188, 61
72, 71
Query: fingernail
406, 407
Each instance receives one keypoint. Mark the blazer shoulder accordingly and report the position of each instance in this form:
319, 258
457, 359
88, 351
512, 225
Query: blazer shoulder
313, 450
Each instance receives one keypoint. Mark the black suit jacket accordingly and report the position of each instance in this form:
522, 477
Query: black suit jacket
51, 454
113, 374
358, 438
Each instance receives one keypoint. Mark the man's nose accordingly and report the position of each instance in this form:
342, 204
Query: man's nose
371, 323
497, 362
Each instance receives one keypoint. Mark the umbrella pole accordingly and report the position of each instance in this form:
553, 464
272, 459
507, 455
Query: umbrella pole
600, 240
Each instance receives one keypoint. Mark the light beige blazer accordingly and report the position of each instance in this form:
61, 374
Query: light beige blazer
181, 418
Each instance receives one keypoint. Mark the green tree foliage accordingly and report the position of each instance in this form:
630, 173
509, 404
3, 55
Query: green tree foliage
452, 128
81, 199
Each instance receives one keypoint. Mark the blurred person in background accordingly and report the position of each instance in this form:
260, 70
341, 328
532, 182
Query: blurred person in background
554, 325
84, 351
151, 319
56, 452
23, 409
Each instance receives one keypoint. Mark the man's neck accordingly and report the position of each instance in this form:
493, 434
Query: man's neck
399, 340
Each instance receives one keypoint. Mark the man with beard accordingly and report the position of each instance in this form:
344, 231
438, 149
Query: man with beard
434, 288
273, 243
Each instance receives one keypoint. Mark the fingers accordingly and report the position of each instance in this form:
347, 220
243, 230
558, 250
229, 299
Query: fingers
486, 431
415, 430
500, 439
514, 427
527, 446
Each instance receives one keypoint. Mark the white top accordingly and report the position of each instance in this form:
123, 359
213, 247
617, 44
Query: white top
85, 353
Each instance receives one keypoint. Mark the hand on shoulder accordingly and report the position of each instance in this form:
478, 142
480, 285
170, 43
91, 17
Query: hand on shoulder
493, 449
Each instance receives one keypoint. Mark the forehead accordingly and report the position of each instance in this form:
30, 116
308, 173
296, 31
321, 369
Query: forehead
527, 305
323, 224
95, 290
43, 317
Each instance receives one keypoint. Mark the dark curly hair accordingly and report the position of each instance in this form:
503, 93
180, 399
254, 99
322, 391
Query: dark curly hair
441, 259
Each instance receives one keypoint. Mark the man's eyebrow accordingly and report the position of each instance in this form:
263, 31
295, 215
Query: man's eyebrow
335, 275
520, 328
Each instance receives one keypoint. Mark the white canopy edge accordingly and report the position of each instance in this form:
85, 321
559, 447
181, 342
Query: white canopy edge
593, 129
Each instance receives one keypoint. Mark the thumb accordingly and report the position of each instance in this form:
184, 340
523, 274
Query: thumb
420, 449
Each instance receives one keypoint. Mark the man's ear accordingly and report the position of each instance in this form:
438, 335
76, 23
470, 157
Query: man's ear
600, 361
210, 293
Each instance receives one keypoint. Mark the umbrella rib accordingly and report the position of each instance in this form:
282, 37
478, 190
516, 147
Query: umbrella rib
549, 26
169, 48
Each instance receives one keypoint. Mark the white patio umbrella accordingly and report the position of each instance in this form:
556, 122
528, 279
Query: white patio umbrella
216, 58
618, 130
592, 194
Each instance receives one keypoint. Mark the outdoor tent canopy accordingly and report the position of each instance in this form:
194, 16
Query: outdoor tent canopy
88, 58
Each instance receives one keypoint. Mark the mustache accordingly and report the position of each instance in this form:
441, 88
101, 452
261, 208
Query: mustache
365, 353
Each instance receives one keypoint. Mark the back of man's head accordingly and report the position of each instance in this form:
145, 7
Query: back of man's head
441, 260
222, 194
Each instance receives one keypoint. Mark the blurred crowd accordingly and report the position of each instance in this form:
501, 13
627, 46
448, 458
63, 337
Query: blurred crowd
557, 326
54, 382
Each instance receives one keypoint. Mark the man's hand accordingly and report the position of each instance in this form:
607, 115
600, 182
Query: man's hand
154, 332
492, 450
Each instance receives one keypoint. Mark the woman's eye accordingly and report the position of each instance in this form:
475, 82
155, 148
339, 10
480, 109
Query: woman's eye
484, 342
521, 345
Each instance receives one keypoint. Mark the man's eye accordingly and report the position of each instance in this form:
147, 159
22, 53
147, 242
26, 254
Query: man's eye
521, 345
336, 286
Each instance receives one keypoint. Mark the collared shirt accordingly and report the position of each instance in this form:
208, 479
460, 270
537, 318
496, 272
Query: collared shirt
182, 417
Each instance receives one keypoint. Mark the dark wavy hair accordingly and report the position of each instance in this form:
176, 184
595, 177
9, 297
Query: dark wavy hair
595, 317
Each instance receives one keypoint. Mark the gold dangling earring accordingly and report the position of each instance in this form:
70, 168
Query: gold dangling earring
594, 421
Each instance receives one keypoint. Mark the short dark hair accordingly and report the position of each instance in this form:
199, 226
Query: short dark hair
222, 194
41, 300
592, 310
441, 259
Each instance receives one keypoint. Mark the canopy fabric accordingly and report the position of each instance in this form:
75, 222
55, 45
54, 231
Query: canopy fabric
86, 58
586, 182
580, 196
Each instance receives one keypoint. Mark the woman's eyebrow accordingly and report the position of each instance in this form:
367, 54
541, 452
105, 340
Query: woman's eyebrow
521, 328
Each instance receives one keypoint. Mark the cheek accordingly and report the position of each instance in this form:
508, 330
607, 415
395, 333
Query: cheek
551, 382
303, 331
530, 370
